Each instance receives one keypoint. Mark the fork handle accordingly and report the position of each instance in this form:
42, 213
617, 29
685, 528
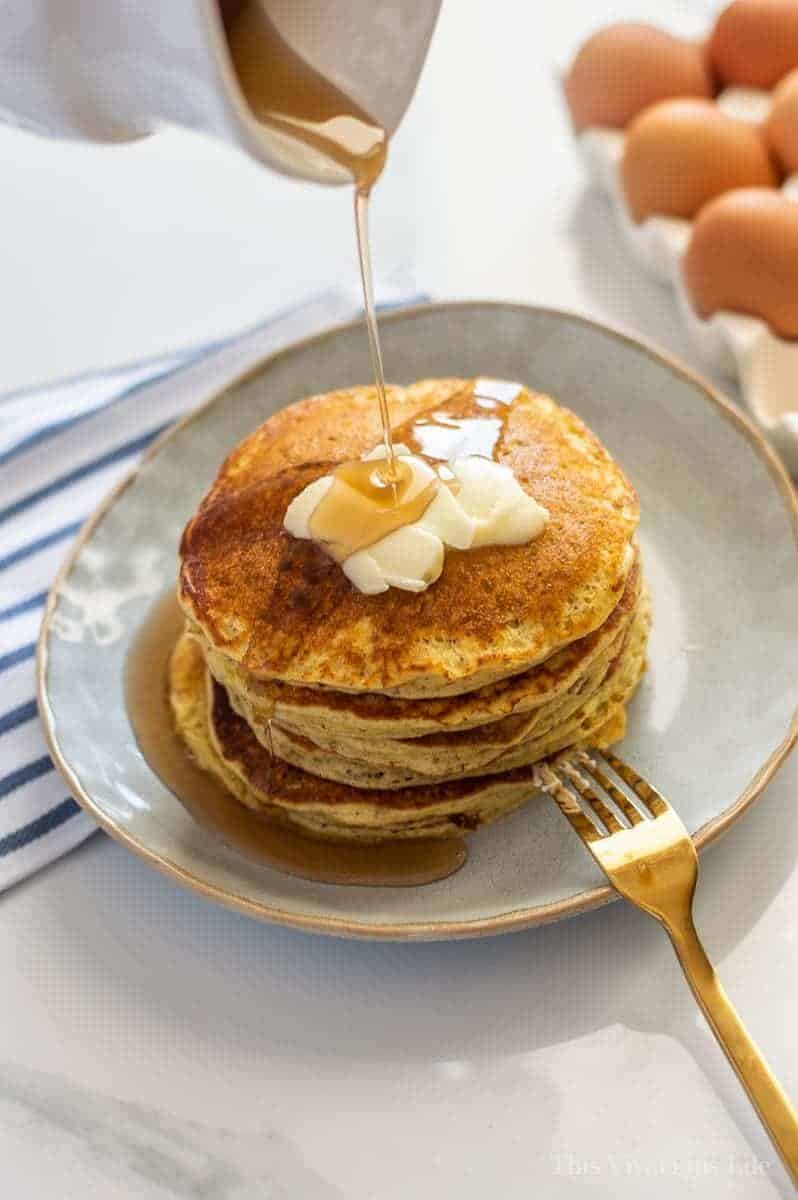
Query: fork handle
775, 1111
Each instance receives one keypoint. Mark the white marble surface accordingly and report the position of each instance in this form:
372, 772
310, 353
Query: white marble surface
153, 1046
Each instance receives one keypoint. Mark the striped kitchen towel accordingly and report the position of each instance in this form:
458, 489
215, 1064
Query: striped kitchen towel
61, 449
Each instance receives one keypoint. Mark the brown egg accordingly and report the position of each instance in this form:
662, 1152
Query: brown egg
755, 42
781, 127
743, 256
624, 68
681, 153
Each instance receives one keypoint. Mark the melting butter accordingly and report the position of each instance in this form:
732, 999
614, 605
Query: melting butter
361, 506
471, 501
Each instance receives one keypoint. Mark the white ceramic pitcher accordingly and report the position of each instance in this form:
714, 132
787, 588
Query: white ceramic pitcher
111, 70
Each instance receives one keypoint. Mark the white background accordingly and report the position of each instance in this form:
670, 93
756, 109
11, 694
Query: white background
154, 1046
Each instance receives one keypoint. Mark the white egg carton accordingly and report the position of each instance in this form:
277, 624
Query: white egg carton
742, 347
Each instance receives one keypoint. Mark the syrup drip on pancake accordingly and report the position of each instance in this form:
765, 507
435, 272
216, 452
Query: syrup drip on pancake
442, 437
361, 506
270, 740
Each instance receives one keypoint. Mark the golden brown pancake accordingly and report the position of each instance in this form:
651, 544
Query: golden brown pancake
331, 718
283, 610
488, 749
223, 744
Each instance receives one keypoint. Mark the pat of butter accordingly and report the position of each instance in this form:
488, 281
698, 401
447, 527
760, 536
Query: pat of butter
484, 506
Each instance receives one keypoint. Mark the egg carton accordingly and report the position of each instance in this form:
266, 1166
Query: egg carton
741, 347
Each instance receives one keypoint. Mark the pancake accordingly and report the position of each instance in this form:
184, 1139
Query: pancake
333, 719
490, 749
437, 754
406, 714
223, 744
280, 609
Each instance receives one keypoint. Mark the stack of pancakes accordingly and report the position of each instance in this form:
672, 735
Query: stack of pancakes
404, 714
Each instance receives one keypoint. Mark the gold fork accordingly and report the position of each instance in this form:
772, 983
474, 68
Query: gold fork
646, 853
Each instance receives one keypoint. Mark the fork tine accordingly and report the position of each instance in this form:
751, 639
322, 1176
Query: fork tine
594, 771
591, 797
641, 787
567, 804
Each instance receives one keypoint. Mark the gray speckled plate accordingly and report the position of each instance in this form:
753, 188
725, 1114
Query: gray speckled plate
712, 721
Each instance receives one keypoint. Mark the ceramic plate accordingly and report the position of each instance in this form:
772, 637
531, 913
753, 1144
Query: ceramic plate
710, 724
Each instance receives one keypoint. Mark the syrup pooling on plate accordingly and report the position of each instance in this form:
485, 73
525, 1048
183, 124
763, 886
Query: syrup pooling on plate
256, 836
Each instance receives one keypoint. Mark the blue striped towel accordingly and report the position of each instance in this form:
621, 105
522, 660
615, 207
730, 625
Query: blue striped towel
62, 448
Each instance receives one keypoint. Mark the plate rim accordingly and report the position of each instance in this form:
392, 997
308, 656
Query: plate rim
503, 922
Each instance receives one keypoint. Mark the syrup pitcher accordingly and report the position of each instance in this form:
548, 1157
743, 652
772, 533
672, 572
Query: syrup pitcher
273, 77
